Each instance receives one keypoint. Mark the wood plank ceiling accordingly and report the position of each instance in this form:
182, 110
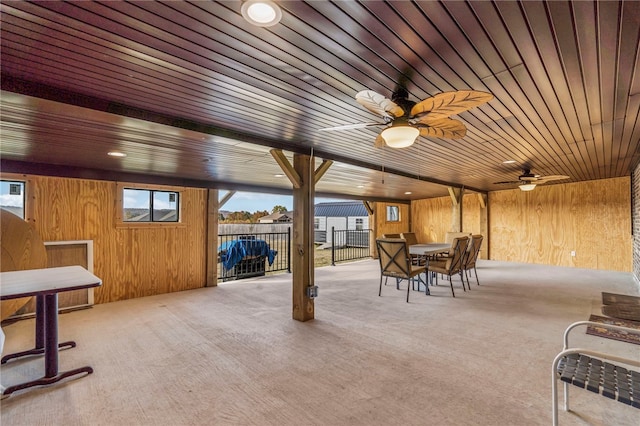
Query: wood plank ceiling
195, 95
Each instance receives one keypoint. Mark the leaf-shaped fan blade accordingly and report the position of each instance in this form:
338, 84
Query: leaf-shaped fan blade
445, 128
350, 126
378, 104
447, 104
545, 179
508, 182
380, 142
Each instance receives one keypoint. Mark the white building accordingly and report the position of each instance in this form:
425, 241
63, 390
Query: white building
341, 216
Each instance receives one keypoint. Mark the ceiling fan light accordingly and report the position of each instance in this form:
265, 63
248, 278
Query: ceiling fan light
262, 13
400, 136
527, 186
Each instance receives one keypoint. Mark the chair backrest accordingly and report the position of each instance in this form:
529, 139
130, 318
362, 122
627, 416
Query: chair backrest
458, 253
472, 253
394, 257
410, 238
450, 236
391, 236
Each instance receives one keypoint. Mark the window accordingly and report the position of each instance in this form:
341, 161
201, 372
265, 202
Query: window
12, 197
148, 205
359, 224
316, 223
393, 214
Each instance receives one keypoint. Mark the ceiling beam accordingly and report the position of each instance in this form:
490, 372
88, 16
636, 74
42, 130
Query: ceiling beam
287, 168
12, 84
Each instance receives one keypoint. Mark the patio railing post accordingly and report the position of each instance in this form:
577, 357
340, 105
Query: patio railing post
289, 249
333, 246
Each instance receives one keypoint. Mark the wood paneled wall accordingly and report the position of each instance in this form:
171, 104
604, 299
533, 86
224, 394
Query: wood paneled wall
432, 218
131, 261
543, 226
384, 227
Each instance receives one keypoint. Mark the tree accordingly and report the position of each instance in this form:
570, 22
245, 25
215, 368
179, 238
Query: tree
279, 209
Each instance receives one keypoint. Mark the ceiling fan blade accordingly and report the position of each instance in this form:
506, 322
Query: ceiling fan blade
510, 182
378, 104
445, 128
350, 126
545, 179
380, 142
446, 104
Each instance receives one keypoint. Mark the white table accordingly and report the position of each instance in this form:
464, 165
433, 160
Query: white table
45, 284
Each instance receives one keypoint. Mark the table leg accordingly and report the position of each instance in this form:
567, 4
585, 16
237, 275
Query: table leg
50, 350
40, 335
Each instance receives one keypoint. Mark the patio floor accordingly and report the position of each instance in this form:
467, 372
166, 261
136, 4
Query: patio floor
232, 355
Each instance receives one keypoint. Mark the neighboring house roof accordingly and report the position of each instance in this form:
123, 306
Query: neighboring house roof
277, 217
341, 209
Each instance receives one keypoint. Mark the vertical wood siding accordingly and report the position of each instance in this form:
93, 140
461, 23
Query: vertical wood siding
591, 218
132, 262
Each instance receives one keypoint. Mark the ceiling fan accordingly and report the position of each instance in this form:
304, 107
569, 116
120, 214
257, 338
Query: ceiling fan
405, 120
527, 181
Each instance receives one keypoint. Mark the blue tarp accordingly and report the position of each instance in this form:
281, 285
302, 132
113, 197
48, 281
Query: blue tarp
232, 252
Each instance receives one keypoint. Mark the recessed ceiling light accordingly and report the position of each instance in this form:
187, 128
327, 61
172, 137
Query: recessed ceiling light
408, 193
360, 186
116, 154
278, 175
262, 13
508, 161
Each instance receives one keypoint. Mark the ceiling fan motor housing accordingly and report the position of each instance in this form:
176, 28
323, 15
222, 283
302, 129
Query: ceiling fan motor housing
400, 98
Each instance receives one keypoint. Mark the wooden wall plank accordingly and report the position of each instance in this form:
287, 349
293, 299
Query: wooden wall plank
543, 226
132, 262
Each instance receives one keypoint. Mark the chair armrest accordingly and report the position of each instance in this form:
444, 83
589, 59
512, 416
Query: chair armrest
595, 324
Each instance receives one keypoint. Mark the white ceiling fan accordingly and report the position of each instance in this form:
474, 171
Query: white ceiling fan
405, 120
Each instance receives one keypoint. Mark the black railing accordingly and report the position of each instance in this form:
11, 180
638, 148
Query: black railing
251, 255
349, 244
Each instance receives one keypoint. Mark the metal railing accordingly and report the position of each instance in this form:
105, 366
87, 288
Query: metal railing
349, 244
253, 254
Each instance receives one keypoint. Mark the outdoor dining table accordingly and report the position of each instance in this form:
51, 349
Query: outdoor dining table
429, 249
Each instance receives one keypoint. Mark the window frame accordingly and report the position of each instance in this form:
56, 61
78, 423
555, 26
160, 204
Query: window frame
26, 196
121, 223
390, 208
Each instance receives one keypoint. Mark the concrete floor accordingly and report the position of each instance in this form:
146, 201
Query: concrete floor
232, 355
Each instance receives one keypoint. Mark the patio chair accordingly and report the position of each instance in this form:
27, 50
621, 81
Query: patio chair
451, 265
391, 236
411, 239
395, 262
471, 258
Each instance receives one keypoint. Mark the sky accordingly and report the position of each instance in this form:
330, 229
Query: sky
254, 201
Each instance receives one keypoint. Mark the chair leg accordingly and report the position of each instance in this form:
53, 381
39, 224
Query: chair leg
461, 279
451, 283
476, 272
409, 288
385, 282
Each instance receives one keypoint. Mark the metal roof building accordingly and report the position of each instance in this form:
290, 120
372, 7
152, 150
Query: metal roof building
341, 209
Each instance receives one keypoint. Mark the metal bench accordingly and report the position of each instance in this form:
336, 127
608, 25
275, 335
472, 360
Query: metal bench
587, 369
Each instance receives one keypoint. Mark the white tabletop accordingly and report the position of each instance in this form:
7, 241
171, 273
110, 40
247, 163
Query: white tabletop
33, 282
429, 248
